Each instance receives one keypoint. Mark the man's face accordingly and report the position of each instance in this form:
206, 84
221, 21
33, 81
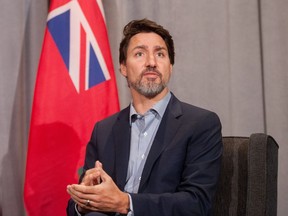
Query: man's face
148, 68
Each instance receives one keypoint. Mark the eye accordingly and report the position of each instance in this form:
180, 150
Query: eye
139, 54
160, 54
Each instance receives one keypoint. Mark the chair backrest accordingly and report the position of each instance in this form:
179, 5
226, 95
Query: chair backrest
248, 179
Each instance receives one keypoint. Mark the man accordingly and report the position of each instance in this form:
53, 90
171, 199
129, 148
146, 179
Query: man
157, 157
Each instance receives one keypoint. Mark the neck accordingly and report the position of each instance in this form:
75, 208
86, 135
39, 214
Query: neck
142, 104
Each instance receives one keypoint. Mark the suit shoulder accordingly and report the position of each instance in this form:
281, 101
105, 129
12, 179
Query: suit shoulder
110, 120
188, 111
196, 112
192, 108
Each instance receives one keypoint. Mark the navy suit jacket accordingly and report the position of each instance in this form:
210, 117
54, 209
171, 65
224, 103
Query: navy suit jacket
182, 168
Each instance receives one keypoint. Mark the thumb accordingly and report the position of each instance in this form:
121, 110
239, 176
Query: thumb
103, 175
99, 165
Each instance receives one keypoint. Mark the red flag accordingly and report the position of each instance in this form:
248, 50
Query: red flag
75, 87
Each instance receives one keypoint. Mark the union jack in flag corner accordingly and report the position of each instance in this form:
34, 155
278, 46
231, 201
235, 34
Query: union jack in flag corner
75, 87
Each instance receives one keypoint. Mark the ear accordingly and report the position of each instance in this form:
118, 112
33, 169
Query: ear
123, 70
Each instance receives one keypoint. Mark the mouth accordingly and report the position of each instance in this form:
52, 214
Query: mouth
151, 74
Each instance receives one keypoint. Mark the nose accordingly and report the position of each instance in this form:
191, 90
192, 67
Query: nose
151, 61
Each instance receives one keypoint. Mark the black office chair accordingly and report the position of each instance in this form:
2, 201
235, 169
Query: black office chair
248, 179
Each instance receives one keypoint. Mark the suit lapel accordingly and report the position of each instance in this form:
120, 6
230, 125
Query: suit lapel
121, 132
166, 131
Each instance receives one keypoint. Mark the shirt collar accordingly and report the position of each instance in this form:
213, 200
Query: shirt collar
158, 108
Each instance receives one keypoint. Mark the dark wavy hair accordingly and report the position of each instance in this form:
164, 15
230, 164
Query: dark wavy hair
144, 25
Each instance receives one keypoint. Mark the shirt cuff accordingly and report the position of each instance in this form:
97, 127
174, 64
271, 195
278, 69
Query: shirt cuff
76, 209
131, 212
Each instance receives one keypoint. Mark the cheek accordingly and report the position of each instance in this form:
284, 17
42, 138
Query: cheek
168, 73
134, 71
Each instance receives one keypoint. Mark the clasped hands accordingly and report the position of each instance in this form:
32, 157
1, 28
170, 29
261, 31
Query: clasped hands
98, 192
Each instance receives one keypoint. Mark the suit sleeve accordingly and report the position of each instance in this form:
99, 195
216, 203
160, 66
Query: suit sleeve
194, 194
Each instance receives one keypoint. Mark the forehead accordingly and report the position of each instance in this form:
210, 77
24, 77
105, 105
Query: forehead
150, 39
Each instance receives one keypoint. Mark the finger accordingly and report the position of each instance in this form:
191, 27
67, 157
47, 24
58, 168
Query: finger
98, 164
86, 201
86, 178
91, 179
81, 201
91, 176
94, 169
90, 205
103, 175
90, 171
81, 190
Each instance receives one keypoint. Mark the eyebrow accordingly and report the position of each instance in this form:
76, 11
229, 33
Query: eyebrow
157, 48
160, 48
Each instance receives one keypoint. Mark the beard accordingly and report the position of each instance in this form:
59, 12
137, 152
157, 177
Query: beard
148, 88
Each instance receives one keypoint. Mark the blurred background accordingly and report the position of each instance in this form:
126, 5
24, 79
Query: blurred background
231, 58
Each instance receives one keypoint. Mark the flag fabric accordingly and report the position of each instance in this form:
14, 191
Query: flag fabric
75, 87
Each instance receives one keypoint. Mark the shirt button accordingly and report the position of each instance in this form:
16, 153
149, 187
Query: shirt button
145, 133
139, 178
143, 156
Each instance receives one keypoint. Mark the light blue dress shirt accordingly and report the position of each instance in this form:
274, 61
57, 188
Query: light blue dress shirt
143, 131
